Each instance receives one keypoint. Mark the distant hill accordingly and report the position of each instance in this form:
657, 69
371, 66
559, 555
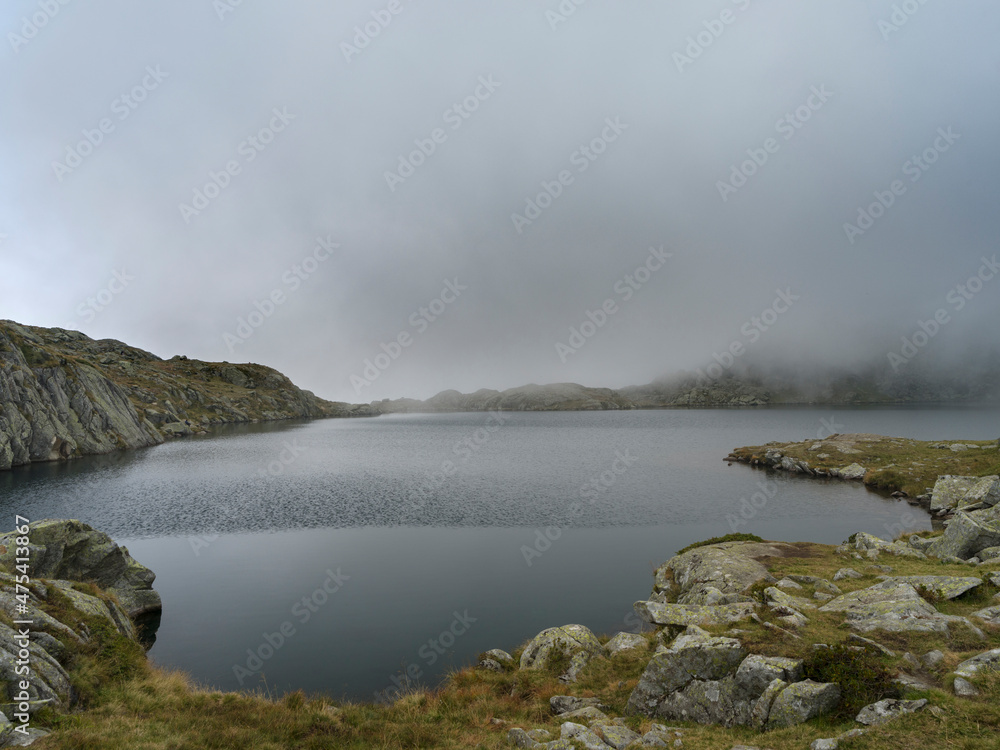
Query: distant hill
63, 394
744, 388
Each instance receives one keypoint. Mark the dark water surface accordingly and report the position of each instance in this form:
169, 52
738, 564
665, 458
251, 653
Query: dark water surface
342, 553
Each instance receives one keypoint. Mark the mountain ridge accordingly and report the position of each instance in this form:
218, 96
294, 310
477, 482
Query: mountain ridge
65, 395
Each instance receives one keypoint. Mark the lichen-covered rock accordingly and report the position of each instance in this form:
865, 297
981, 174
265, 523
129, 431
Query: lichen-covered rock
585, 715
729, 568
496, 660
693, 656
756, 673
854, 472
685, 615
965, 536
761, 708
616, 736
942, 587
887, 710
777, 597
73, 551
626, 642
564, 704
583, 735
890, 606
802, 701
47, 680
498, 654
951, 492
864, 542
91, 605
990, 615
574, 641
968, 668
843, 573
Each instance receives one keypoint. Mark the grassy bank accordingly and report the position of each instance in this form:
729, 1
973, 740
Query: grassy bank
892, 464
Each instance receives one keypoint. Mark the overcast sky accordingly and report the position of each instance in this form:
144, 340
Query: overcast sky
506, 167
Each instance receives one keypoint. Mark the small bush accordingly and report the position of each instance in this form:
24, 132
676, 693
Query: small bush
862, 675
721, 539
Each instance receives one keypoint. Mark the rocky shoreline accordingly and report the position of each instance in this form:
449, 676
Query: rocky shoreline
744, 639
77, 584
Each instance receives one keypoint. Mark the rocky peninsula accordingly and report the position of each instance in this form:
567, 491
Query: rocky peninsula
64, 395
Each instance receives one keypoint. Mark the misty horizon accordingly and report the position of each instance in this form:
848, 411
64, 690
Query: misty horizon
487, 197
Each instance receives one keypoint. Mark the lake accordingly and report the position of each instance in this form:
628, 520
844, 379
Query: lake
338, 556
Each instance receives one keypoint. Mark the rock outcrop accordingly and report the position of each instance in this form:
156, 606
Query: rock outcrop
573, 642
966, 535
62, 555
957, 492
965, 671
73, 551
893, 606
712, 680
64, 395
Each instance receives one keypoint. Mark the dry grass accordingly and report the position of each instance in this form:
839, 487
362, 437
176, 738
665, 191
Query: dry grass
893, 464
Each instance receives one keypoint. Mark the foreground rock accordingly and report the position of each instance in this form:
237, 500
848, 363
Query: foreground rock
702, 615
576, 642
965, 536
712, 680
956, 492
892, 606
887, 710
716, 574
967, 670
62, 554
73, 551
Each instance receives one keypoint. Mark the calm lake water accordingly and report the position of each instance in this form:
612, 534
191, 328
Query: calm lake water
336, 555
